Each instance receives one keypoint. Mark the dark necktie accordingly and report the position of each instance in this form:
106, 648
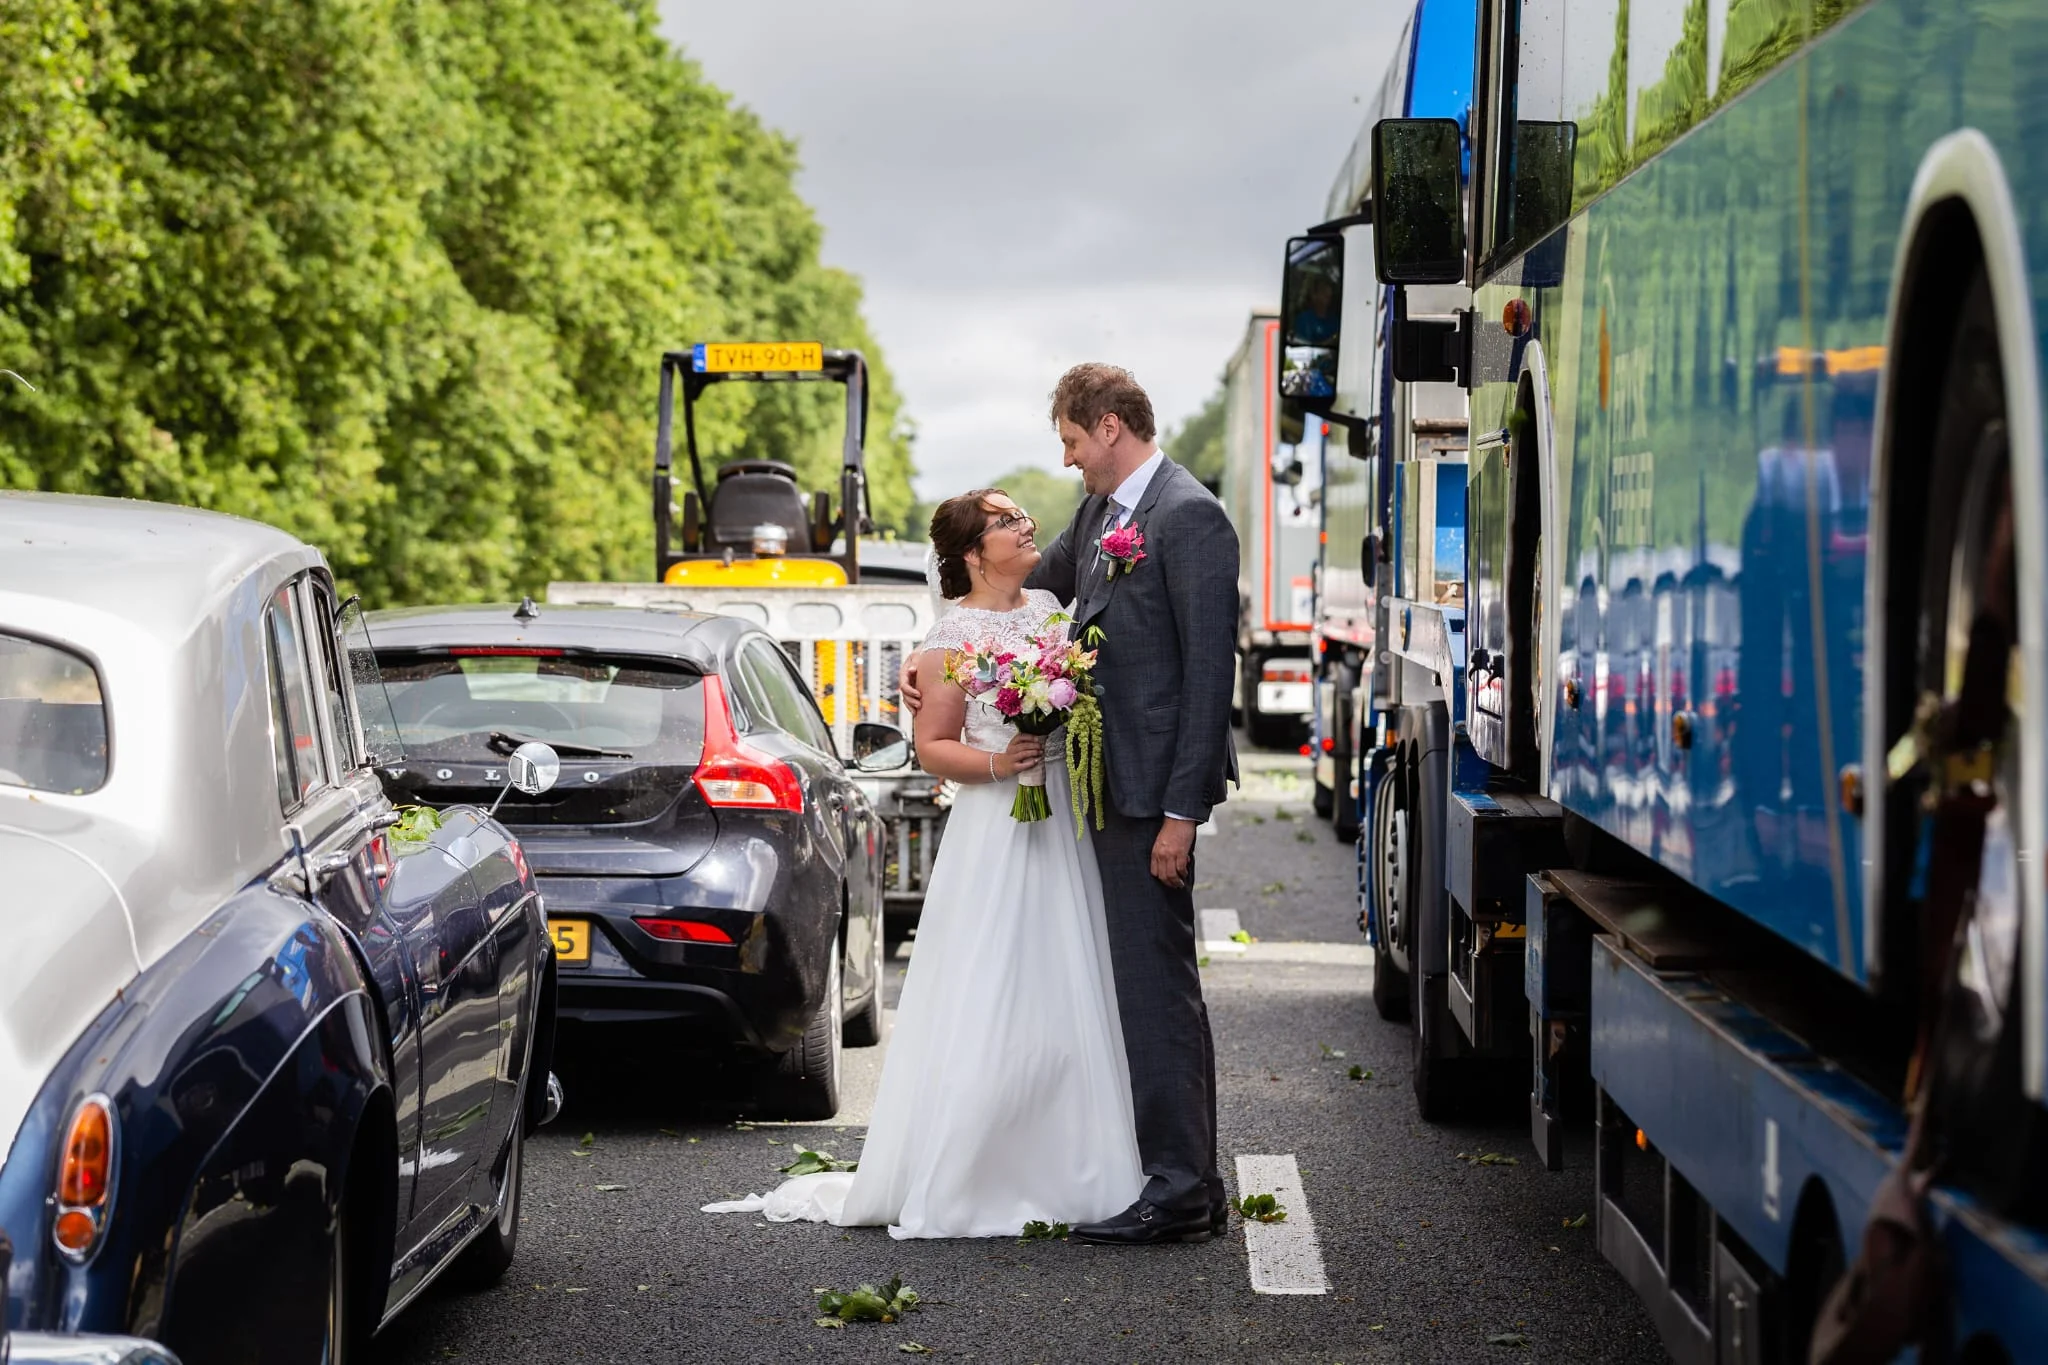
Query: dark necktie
1112, 513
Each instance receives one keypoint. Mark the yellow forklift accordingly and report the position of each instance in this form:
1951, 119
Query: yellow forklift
750, 544
751, 527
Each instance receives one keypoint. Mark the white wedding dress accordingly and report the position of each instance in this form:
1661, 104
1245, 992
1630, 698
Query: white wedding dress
1005, 1097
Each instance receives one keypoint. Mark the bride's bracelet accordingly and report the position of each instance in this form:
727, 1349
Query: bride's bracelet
992, 769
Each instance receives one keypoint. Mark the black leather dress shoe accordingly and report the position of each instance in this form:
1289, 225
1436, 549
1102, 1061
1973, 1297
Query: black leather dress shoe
1146, 1224
1219, 1220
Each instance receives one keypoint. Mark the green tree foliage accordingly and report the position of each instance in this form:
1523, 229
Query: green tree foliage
396, 274
1197, 444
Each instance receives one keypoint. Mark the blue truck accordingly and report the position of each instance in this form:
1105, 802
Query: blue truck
1697, 791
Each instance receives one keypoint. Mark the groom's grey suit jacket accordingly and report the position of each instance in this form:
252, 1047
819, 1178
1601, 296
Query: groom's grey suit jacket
1165, 669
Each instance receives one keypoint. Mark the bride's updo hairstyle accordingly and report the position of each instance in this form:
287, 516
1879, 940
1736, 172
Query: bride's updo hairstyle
957, 526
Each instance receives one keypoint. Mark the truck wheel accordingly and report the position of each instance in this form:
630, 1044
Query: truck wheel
1386, 847
1344, 727
803, 1083
1967, 629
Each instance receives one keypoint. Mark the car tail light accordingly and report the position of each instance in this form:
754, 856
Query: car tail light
684, 930
732, 775
85, 1179
1329, 746
1286, 673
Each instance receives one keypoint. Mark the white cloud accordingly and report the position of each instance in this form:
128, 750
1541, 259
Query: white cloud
1026, 187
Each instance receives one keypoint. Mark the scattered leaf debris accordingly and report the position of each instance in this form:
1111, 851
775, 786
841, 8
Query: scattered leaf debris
1577, 1222
1259, 1208
867, 1304
1036, 1231
1507, 1339
811, 1163
1488, 1159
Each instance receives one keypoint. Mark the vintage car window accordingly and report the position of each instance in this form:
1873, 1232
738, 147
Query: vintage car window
345, 746
53, 719
450, 706
769, 670
382, 744
293, 728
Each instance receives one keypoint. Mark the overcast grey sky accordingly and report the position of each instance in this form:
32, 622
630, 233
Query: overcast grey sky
1026, 186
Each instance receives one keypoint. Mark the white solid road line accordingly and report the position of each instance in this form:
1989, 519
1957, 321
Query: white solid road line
1217, 928
1285, 1256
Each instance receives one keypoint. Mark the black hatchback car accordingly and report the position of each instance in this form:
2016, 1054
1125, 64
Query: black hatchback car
705, 856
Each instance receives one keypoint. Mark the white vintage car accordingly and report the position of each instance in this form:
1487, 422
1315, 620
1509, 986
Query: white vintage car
265, 1066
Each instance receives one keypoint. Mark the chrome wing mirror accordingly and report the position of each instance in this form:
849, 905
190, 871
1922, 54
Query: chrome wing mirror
532, 768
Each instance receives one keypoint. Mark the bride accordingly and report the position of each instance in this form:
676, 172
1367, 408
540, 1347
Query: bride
1005, 1098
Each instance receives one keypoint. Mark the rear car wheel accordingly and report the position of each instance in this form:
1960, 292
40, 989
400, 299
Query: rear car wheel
485, 1260
864, 1029
804, 1082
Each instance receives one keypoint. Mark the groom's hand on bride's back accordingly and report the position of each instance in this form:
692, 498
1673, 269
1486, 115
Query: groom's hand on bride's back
907, 685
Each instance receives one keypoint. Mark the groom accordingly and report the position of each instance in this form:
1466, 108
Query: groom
1166, 600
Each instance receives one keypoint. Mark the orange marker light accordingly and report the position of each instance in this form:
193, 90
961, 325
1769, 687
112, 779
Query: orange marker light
1514, 319
85, 1180
88, 1155
1642, 1141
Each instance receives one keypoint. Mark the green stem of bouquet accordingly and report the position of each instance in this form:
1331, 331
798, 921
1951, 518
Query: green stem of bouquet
1084, 761
1031, 805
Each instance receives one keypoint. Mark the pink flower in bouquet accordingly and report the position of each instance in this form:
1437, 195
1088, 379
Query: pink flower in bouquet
1009, 700
1062, 693
1125, 547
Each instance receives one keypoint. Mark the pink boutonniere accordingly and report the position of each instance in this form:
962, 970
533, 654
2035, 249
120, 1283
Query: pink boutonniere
1123, 547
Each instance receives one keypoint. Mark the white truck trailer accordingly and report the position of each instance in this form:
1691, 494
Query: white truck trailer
1272, 489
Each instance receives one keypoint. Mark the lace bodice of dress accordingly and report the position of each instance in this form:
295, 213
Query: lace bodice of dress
960, 626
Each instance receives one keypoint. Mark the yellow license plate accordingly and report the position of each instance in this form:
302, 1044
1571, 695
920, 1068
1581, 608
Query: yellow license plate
781, 357
572, 939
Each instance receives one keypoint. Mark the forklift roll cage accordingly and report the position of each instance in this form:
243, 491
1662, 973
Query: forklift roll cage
702, 534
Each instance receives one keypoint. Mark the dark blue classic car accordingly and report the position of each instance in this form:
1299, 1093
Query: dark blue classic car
265, 1065
708, 857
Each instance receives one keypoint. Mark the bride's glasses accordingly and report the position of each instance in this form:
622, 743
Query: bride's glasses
1010, 521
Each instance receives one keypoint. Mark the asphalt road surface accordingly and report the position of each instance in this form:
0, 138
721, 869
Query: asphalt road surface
1426, 1254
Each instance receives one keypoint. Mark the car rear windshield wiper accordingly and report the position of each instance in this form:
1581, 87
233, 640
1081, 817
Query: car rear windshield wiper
503, 743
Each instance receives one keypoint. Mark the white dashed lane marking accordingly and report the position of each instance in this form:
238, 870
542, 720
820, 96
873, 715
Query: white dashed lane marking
1285, 1257
1217, 928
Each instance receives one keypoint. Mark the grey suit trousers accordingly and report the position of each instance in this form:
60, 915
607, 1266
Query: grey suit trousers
1166, 1025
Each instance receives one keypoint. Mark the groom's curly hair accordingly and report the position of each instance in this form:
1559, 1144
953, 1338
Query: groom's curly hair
1089, 391
957, 527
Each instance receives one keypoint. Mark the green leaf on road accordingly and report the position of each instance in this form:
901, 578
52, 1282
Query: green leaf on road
867, 1303
833, 1323
1359, 1073
610, 1189
1487, 1159
1272, 888
1201, 962
1035, 1231
1303, 836
1507, 1339
1577, 1222
1240, 937
912, 1348
1262, 1208
586, 1139
811, 1163
1329, 1051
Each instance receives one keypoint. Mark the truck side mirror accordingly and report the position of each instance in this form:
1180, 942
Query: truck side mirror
1418, 208
1311, 320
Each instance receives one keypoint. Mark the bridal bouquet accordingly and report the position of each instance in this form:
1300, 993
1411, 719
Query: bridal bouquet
1048, 684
